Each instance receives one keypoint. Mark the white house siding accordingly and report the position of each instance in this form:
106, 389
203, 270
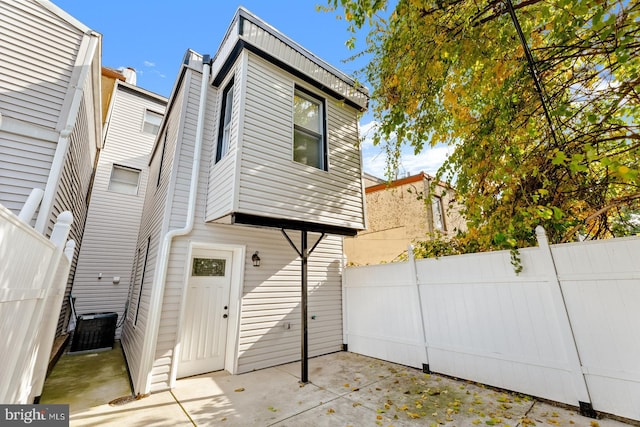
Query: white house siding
153, 225
37, 57
221, 185
113, 220
73, 188
25, 162
271, 293
292, 54
271, 183
37, 54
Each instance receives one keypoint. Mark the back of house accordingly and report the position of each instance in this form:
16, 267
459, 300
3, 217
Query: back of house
257, 157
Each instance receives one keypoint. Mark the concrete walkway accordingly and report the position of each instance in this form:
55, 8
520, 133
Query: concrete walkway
346, 389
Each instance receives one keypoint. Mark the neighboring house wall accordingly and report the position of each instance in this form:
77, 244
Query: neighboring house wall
401, 213
49, 106
106, 260
370, 180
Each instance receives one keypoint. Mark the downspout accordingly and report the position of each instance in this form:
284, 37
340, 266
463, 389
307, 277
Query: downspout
63, 141
157, 293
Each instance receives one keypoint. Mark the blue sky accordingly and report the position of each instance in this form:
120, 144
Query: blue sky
152, 37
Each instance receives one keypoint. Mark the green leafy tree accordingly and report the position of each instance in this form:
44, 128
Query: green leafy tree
455, 72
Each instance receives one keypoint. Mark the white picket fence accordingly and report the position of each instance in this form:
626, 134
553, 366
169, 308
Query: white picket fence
33, 276
567, 328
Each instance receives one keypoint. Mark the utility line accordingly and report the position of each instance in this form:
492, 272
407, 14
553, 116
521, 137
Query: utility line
532, 68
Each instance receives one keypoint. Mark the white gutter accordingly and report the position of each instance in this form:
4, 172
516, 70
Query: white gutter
157, 290
91, 43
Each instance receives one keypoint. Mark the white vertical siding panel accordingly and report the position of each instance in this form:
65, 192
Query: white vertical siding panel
601, 285
113, 220
473, 341
37, 66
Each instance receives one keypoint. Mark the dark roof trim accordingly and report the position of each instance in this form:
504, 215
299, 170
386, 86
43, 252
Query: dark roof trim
127, 87
244, 14
242, 44
289, 224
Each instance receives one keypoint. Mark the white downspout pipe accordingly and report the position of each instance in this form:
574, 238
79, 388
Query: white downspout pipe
157, 292
63, 141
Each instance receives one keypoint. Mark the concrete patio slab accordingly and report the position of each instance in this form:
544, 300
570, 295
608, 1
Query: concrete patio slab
345, 389
156, 410
258, 398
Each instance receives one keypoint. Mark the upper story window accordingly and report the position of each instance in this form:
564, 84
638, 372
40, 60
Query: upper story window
224, 129
151, 122
309, 146
438, 213
124, 180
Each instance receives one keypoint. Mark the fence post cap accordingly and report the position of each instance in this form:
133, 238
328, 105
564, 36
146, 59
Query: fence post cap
65, 218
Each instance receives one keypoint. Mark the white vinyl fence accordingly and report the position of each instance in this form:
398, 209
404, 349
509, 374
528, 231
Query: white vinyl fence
33, 276
567, 328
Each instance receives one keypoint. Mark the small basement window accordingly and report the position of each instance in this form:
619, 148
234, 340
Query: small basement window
151, 124
124, 180
309, 146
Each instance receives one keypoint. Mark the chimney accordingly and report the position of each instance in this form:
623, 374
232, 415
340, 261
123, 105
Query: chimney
129, 75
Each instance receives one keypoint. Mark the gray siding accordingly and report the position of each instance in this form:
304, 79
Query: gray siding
270, 294
271, 183
24, 164
113, 220
221, 185
74, 186
43, 55
153, 225
38, 53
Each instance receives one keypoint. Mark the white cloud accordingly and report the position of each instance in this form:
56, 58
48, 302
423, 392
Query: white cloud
149, 64
374, 158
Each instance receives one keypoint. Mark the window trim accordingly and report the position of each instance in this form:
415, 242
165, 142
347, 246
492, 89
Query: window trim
115, 166
222, 129
440, 203
144, 268
164, 146
313, 97
150, 113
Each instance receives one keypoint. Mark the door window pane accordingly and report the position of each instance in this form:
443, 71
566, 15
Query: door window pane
208, 267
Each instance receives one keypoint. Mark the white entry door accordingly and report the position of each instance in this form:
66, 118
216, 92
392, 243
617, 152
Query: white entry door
204, 331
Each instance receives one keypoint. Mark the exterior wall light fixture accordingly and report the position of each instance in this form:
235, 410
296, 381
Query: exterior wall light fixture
256, 259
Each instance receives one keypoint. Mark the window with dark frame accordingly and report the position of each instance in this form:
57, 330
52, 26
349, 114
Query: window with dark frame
164, 146
224, 129
309, 142
438, 213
